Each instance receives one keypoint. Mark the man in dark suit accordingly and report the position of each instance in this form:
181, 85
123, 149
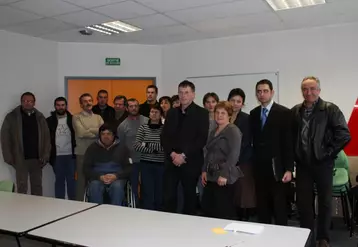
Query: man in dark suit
151, 93
183, 138
320, 132
102, 108
272, 155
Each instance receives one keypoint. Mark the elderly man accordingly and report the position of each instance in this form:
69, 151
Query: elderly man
320, 133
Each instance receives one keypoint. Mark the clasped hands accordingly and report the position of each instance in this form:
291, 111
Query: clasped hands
221, 180
177, 159
108, 178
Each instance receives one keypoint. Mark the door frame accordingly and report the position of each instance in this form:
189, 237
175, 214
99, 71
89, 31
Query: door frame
67, 78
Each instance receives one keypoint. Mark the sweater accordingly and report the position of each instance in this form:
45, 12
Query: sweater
86, 127
127, 132
148, 143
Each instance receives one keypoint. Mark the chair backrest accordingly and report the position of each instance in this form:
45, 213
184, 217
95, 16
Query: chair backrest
342, 161
6, 186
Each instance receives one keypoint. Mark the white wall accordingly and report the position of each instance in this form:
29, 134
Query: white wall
328, 52
26, 64
77, 59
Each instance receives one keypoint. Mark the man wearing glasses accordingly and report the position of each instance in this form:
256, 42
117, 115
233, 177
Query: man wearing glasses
25, 143
320, 133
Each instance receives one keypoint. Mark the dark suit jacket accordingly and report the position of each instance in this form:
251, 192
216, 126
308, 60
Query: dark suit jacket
108, 114
243, 123
273, 141
188, 136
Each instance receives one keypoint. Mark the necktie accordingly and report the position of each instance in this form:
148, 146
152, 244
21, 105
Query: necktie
263, 117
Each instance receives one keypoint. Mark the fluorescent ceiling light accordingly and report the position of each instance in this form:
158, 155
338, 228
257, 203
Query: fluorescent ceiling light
114, 27
291, 4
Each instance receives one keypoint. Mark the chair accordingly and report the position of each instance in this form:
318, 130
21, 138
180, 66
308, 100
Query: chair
129, 200
341, 185
7, 186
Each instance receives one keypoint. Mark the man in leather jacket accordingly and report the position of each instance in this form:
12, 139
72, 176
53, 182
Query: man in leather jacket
320, 133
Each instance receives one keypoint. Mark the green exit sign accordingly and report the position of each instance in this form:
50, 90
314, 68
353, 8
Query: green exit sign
113, 61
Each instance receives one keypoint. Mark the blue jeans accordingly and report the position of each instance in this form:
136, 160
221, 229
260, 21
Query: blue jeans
115, 191
152, 185
135, 181
65, 168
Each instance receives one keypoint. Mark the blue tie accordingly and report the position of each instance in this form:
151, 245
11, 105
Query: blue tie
263, 117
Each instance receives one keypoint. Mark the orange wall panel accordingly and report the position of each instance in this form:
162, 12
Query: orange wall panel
131, 88
75, 88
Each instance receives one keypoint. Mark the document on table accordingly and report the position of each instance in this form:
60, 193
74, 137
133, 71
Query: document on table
244, 227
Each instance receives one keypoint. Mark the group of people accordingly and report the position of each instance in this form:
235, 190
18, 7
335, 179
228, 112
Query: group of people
175, 148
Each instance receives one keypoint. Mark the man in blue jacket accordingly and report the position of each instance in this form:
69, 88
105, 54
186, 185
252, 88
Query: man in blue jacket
106, 167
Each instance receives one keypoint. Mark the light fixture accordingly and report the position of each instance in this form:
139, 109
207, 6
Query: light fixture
291, 4
114, 27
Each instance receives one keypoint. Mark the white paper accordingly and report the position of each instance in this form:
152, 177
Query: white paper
246, 228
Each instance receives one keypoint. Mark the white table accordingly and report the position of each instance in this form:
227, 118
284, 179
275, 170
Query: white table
20, 213
111, 226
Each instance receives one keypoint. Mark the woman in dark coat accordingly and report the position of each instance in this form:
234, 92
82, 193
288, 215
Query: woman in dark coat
245, 199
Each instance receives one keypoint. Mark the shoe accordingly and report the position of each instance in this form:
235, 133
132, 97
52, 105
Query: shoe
323, 243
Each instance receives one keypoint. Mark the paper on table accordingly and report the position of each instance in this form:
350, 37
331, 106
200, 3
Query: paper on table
246, 228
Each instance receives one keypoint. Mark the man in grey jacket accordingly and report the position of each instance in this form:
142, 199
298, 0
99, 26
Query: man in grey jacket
25, 143
127, 132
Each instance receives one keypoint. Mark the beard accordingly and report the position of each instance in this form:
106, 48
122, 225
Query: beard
61, 112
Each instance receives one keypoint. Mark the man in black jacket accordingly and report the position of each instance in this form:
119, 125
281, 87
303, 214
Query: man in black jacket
151, 93
63, 142
320, 133
102, 108
272, 154
183, 138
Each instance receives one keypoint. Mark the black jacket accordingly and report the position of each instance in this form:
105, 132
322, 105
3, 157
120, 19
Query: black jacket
273, 142
144, 108
328, 131
186, 133
108, 114
52, 123
243, 123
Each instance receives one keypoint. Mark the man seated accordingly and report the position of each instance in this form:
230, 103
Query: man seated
106, 167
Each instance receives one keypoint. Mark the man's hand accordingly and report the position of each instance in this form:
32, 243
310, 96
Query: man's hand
109, 178
222, 181
203, 178
287, 177
179, 160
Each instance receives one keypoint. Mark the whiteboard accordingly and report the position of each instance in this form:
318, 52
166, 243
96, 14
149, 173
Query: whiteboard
222, 85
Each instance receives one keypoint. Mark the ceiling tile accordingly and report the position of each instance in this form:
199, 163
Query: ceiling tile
151, 21
46, 8
9, 16
40, 27
220, 11
92, 3
3, 2
84, 18
124, 10
168, 5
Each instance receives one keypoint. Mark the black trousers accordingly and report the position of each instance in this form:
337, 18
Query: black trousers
321, 175
188, 176
218, 201
271, 199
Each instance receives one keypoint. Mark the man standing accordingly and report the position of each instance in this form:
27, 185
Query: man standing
86, 125
127, 132
320, 133
272, 155
25, 143
120, 104
152, 93
63, 143
183, 138
102, 108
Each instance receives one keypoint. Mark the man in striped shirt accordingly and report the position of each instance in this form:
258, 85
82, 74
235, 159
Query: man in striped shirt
152, 159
